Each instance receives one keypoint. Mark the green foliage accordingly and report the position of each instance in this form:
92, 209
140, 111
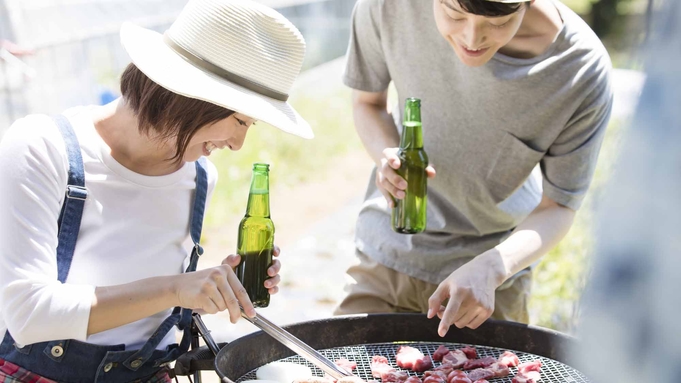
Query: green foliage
560, 277
621, 25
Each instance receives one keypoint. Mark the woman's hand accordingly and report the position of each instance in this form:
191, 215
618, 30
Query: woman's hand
213, 290
389, 183
273, 271
470, 290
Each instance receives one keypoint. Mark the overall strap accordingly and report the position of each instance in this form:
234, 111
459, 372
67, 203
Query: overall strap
195, 232
74, 201
181, 317
197, 212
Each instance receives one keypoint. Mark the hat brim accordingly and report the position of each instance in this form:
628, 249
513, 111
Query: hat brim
164, 66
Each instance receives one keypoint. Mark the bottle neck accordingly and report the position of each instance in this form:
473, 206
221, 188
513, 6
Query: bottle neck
259, 196
412, 135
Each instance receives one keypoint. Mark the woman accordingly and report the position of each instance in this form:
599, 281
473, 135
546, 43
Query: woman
101, 206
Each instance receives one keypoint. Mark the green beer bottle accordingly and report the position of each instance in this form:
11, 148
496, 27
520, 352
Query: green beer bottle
409, 213
256, 238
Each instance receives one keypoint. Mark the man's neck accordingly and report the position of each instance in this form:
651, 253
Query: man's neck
539, 29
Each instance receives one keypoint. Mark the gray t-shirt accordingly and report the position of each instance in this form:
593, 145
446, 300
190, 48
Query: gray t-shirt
485, 130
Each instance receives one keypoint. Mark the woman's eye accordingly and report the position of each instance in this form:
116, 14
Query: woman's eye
500, 25
242, 123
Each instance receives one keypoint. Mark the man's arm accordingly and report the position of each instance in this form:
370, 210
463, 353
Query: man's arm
373, 123
535, 236
471, 288
378, 134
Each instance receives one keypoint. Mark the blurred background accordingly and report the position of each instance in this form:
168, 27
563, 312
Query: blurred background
55, 54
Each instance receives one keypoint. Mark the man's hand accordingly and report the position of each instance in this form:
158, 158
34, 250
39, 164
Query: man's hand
389, 183
470, 290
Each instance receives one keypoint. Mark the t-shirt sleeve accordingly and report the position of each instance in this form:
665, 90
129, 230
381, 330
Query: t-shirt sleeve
34, 305
365, 68
569, 164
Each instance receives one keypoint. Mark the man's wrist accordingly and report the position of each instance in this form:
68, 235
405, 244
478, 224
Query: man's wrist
495, 263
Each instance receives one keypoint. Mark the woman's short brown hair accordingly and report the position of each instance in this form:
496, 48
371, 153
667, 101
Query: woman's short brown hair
168, 114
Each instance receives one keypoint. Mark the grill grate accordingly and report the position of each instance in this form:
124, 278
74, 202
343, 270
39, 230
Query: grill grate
551, 371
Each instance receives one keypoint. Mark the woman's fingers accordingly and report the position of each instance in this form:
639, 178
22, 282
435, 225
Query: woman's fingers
215, 289
274, 269
273, 290
240, 296
272, 282
232, 260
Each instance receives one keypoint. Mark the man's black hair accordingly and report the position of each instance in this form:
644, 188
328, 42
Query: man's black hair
489, 8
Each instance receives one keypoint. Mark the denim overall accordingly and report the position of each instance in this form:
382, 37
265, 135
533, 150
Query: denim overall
74, 361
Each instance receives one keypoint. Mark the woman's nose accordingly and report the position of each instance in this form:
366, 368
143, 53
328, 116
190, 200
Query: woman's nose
237, 141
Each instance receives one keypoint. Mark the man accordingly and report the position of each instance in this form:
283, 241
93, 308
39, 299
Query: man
505, 86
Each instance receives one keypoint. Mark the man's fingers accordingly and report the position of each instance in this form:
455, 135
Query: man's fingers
388, 198
441, 312
276, 251
466, 316
394, 179
391, 158
478, 320
430, 172
393, 185
386, 189
436, 299
448, 316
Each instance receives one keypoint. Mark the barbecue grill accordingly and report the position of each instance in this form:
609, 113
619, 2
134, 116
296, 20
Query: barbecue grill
359, 337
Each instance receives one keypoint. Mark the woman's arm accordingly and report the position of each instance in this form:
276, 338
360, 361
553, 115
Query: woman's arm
211, 290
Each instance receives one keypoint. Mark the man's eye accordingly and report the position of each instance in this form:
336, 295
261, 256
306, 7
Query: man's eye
242, 123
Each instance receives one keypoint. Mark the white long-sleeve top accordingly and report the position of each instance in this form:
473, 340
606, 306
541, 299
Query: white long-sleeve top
133, 227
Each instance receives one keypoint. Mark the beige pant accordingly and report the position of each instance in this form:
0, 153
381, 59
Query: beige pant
379, 289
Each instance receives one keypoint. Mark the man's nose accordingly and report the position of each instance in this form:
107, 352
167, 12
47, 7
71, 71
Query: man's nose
473, 35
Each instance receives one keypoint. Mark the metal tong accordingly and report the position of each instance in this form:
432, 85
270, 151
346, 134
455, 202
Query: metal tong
285, 338
297, 346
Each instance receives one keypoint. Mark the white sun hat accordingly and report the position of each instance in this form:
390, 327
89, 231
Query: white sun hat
237, 54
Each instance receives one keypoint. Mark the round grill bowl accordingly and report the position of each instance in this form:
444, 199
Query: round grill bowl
358, 337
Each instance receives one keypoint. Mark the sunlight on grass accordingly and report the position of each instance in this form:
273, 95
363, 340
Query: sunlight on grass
560, 277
